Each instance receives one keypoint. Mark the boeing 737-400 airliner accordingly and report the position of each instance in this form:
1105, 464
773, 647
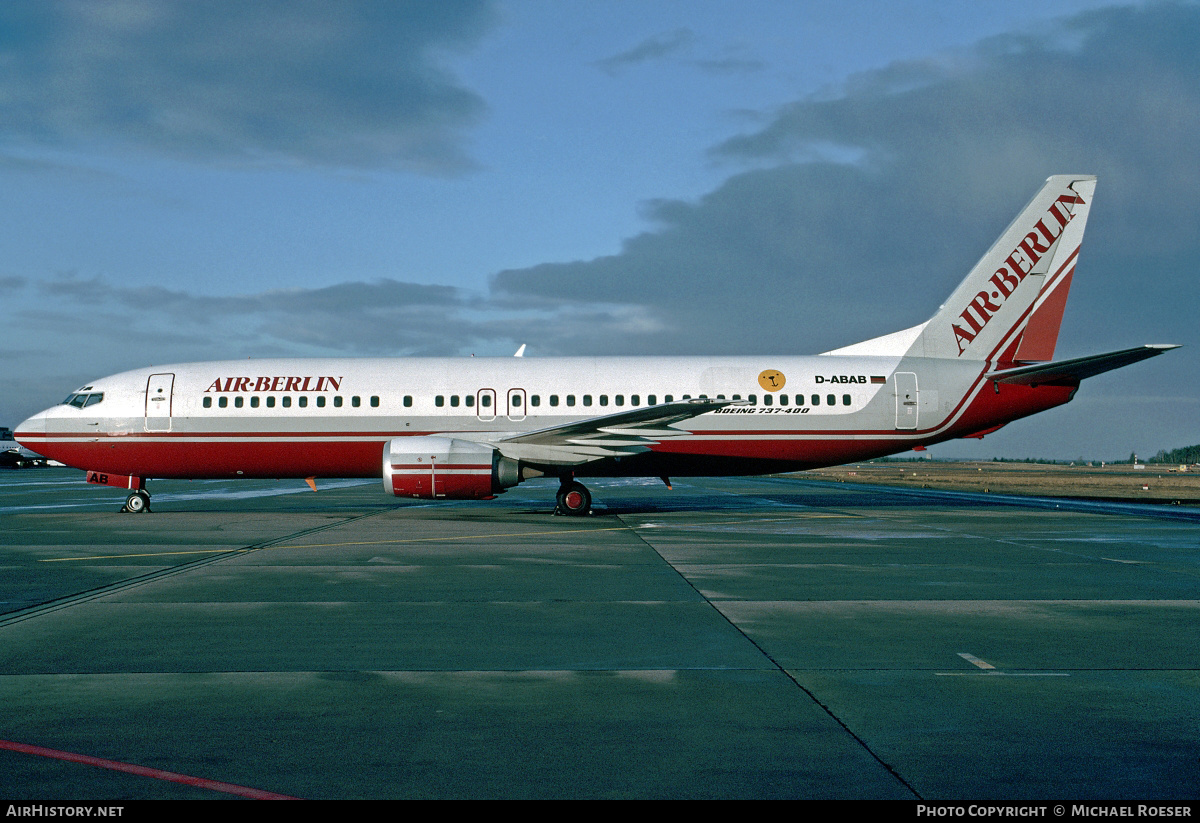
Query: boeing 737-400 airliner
447, 428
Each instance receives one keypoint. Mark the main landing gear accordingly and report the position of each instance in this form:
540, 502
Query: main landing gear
137, 502
573, 499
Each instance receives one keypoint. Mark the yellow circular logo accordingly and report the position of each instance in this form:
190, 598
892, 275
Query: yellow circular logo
772, 380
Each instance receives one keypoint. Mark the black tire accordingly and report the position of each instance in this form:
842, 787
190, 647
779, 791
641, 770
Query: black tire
574, 499
137, 503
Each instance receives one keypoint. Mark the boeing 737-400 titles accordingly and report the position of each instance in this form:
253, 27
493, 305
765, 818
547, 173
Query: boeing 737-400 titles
459, 428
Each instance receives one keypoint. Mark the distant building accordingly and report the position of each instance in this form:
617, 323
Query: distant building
5, 433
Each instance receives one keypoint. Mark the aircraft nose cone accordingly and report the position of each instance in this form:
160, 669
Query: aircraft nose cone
34, 425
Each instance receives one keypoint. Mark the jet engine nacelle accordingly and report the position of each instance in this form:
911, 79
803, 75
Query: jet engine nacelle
444, 467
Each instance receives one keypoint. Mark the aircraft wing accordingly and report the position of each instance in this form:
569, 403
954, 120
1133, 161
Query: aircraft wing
1072, 371
613, 435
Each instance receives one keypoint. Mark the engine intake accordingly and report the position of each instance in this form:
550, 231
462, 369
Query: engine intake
443, 467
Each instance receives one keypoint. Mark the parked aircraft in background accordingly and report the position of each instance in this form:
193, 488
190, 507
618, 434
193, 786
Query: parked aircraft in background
446, 428
20, 458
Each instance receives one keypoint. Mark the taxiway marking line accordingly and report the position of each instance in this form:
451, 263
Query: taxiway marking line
140, 554
144, 771
512, 534
989, 669
414, 540
1002, 674
970, 658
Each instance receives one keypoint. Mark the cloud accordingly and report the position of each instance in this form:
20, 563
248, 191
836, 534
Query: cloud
347, 83
673, 43
854, 215
731, 65
652, 48
383, 317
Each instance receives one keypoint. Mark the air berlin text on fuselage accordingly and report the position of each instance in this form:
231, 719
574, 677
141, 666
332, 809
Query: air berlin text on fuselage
1018, 264
280, 384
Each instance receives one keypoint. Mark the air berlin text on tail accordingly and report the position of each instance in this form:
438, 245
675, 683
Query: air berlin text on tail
1018, 264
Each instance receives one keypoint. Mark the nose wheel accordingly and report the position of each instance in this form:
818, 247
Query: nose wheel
137, 502
573, 499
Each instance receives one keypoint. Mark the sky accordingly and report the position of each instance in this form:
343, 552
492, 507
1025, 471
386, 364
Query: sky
195, 181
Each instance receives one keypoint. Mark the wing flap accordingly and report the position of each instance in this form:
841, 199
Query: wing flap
613, 435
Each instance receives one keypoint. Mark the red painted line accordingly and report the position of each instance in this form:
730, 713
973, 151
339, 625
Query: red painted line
157, 774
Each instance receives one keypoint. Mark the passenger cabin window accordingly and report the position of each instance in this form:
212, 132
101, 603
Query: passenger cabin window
408, 401
337, 401
254, 402
355, 401
208, 403
320, 401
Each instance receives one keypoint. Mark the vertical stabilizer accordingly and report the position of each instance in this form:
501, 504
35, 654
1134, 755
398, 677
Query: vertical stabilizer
1010, 306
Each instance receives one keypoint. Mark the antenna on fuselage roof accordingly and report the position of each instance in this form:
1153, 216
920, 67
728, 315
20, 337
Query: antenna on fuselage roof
520, 351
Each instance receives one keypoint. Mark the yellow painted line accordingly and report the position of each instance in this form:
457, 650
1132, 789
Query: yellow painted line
454, 537
494, 536
419, 539
143, 554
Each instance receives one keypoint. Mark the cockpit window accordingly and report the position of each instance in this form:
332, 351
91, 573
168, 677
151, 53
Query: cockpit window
82, 400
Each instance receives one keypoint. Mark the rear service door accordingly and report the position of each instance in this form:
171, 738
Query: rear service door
906, 400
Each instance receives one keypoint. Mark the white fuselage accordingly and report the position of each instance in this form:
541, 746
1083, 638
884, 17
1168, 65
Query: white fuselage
332, 416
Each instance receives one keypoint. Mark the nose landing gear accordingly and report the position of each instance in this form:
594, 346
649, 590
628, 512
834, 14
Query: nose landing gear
137, 502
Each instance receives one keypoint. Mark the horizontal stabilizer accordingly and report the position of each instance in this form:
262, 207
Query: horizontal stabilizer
1072, 371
